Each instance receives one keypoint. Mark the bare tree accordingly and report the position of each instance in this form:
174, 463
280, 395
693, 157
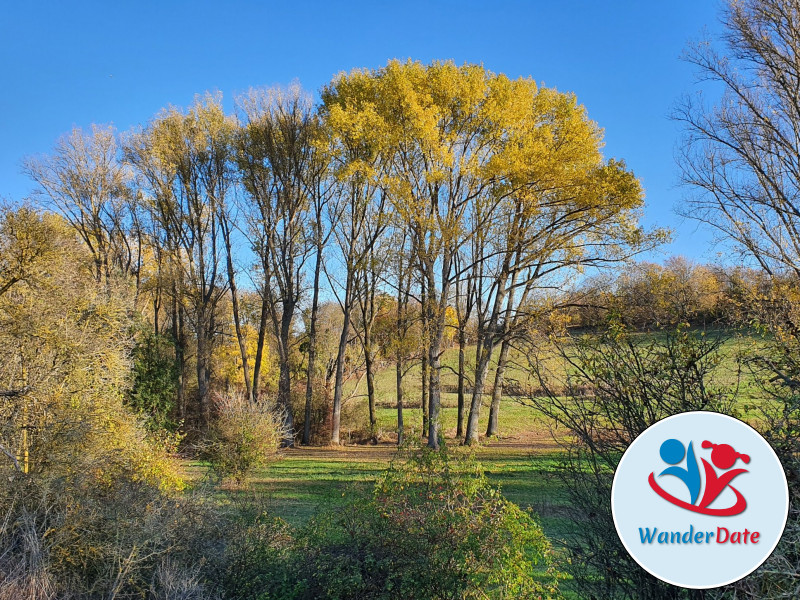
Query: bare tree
85, 182
275, 155
742, 156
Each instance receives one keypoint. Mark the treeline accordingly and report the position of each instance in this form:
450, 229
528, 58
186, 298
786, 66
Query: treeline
418, 200
647, 296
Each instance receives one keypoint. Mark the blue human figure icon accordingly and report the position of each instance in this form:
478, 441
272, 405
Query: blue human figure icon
672, 453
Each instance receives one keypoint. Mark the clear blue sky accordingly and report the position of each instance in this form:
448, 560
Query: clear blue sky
77, 63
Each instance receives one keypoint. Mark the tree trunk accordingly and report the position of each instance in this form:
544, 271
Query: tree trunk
424, 366
436, 315
339, 381
262, 334
156, 311
285, 403
178, 340
248, 386
462, 343
434, 393
312, 346
425, 390
204, 367
399, 374
402, 302
284, 379
330, 369
497, 392
490, 335
368, 363
481, 371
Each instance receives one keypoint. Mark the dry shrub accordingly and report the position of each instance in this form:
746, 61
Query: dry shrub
174, 581
244, 436
79, 537
355, 421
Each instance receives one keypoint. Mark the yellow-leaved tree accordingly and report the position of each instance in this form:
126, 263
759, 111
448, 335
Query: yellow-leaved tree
496, 178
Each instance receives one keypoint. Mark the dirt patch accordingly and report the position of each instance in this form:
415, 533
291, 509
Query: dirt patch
539, 440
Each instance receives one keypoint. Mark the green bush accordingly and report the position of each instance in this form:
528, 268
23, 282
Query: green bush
155, 379
433, 528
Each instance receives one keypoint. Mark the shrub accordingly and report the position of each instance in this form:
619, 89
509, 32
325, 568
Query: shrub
614, 387
244, 436
81, 538
259, 559
774, 363
155, 379
433, 528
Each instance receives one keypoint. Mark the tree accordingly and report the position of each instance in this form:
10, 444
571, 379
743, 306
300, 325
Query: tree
276, 158
86, 183
321, 186
461, 152
354, 140
567, 210
741, 156
742, 159
184, 159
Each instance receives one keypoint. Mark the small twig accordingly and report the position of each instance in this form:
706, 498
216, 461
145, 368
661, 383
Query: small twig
12, 457
15, 393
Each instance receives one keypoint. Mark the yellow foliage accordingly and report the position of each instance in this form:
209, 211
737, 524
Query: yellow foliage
65, 343
439, 136
228, 358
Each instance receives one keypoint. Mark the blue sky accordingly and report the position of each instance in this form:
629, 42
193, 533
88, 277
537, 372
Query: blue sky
76, 63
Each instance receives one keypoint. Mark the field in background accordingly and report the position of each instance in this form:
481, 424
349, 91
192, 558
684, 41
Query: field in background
355, 411
522, 460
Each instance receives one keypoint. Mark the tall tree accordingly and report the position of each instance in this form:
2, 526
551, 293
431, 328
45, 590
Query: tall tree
354, 143
275, 154
460, 145
185, 158
321, 186
742, 159
565, 209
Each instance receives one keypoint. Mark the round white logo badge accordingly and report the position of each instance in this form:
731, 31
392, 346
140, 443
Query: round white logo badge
700, 500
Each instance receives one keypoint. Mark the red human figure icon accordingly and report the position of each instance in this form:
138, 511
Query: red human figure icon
724, 457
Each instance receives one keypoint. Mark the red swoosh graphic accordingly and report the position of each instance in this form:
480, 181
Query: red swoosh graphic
737, 508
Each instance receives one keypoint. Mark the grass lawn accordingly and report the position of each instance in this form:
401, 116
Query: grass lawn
308, 479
